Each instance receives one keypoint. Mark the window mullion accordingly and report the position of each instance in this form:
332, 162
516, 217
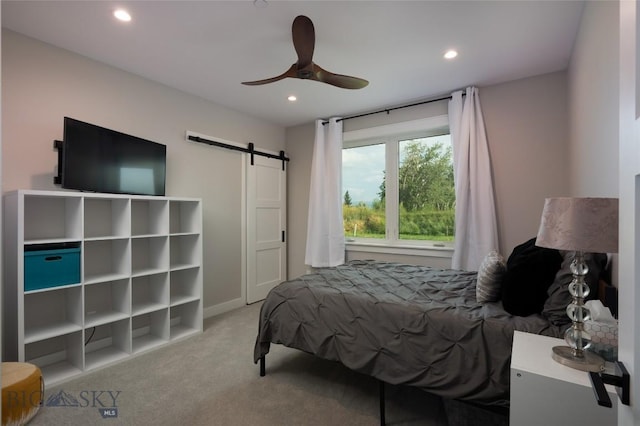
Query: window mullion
391, 187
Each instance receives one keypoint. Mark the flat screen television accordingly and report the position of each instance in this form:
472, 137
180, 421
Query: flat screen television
97, 159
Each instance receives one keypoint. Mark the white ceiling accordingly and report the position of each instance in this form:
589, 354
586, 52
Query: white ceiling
208, 48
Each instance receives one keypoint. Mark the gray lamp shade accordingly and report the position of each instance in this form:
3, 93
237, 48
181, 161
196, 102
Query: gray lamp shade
579, 224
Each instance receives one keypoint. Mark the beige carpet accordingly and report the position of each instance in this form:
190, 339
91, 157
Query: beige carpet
211, 379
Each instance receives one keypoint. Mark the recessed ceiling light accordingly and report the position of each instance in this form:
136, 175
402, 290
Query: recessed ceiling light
450, 54
292, 98
122, 15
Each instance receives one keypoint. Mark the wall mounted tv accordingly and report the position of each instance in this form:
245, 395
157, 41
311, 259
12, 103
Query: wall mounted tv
92, 158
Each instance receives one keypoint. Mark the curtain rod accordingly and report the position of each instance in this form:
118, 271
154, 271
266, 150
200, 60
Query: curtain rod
388, 110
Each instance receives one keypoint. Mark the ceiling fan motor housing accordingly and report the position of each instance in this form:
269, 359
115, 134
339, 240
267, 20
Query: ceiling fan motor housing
305, 73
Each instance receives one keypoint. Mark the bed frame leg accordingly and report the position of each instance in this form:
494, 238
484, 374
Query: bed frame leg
262, 372
382, 413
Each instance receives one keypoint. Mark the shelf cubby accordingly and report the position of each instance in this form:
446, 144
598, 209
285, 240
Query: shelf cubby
52, 218
149, 217
150, 330
108, 343
185, 251
106, 302
185, 319
185, 217
106, 260
149, 293
57, 357
185, 286
149, 255
52, 312
105, 217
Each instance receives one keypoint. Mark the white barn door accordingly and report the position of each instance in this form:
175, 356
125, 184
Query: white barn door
266, 226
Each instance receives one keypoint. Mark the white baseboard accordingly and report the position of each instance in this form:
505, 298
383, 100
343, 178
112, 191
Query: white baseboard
221, 308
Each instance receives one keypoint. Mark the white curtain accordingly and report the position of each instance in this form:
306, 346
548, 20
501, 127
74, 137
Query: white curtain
325, 231
476, 224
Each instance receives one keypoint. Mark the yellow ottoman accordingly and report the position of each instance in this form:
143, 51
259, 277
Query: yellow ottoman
22, 392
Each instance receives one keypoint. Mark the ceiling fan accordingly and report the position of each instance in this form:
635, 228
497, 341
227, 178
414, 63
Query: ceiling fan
304, 39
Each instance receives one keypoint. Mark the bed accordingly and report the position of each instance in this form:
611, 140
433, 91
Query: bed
410, 325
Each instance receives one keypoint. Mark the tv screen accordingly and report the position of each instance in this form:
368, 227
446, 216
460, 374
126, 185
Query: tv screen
103, 160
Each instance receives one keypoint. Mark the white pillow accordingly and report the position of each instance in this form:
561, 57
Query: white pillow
489, 281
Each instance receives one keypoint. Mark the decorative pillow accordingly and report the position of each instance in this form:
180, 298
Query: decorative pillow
530, 272
555, 307
490, 273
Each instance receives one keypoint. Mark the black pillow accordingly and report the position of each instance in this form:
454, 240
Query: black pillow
530, 272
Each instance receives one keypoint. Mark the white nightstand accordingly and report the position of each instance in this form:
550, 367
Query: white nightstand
544, 392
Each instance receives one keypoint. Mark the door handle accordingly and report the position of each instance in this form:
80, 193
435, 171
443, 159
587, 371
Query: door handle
621, 380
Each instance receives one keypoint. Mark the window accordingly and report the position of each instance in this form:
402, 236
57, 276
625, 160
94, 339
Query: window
397, 184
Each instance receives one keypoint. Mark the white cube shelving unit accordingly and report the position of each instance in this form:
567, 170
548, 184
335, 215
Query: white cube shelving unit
140, 284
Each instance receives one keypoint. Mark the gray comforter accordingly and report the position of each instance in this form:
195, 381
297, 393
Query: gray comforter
403, 324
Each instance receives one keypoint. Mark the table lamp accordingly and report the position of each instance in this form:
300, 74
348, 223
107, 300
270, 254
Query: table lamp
579, 225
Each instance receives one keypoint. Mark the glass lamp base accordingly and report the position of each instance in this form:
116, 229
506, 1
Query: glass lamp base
587, 362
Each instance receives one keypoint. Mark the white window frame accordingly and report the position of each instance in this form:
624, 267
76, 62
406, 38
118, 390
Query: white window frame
432, 126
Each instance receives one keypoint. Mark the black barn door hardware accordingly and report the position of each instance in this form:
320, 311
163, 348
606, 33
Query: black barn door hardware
250, 149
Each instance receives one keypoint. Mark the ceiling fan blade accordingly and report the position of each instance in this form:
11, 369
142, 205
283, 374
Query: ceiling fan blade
291, 72
304, 39
338, 80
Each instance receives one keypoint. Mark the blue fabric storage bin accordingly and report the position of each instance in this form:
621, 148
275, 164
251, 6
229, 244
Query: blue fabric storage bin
51, 268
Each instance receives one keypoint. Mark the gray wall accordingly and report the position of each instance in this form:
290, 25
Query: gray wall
41, 84
526, 122
593, 99
300, 150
